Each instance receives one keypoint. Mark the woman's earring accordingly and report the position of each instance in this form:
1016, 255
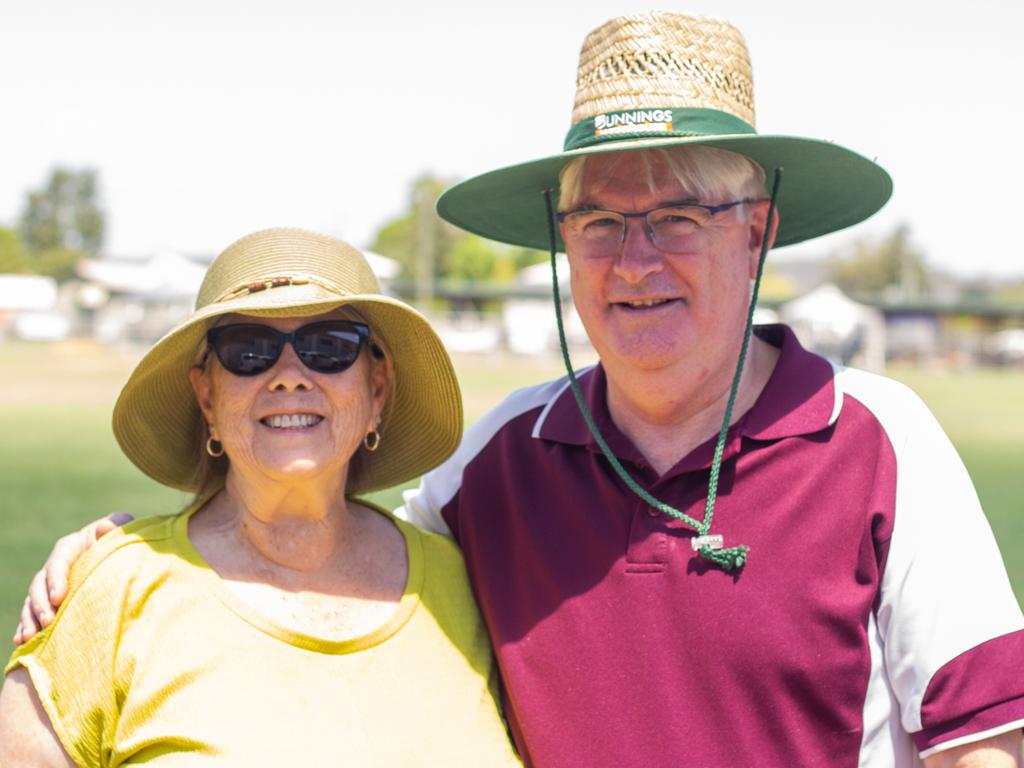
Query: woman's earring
372, 440
214, 447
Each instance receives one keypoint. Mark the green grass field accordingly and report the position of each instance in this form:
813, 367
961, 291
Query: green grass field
60, 466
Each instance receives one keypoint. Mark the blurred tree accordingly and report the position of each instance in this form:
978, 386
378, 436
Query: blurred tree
394, 240
525, 257
471, 259
475, 259
62, 222
431, 250
58, 263
889, 266
12, 252
776, 286
418, 239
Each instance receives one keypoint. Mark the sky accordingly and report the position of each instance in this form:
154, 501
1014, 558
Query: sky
209, 119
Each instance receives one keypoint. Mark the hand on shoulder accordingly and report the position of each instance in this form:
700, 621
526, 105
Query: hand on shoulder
49, 586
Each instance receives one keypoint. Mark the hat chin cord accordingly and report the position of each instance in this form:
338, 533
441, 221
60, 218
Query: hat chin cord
708, 546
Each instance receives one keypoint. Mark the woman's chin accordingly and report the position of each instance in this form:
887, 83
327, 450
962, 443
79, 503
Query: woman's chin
294, 468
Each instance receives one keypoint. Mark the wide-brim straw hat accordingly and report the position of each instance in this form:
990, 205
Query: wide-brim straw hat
661, 80
289, 273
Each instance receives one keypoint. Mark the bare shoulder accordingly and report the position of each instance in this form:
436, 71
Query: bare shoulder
27, 737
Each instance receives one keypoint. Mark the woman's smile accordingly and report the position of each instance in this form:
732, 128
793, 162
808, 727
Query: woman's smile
292, 421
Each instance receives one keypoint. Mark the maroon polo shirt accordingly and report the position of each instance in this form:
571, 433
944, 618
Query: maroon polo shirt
873, 619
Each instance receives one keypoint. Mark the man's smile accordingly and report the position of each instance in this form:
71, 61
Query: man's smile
634, 305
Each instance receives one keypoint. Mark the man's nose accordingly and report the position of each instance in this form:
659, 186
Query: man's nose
638, 257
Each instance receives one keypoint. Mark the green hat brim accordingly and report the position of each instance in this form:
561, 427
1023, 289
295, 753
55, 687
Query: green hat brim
825, 188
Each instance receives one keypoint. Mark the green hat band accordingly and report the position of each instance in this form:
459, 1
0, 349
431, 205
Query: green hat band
656, 122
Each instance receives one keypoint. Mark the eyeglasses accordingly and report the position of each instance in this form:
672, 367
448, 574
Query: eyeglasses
249, 349
602, 233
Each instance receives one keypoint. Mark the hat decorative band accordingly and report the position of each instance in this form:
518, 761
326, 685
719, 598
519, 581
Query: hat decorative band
277, 282
658, 121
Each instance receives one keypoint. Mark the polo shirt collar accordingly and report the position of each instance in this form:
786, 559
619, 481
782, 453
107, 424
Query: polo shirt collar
800, 398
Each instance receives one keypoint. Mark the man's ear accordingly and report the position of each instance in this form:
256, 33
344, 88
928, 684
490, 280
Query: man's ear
758, 220
200, 381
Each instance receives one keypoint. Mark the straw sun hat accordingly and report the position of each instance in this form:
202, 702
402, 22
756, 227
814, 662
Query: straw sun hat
660, 80
293, 273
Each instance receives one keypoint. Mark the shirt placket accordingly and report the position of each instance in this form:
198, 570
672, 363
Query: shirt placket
647, 548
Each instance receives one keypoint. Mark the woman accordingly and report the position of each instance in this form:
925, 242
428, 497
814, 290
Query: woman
277, 620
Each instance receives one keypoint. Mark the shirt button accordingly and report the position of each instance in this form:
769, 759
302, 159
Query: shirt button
653, 512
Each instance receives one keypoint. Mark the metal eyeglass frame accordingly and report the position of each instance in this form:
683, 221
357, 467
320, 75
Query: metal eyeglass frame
711, 209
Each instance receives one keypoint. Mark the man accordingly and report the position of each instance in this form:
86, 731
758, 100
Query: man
855, 597
683, 560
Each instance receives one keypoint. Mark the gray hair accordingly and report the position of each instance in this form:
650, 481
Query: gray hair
709, 173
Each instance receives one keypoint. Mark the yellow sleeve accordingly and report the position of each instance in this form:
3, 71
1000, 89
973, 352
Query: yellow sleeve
72, 662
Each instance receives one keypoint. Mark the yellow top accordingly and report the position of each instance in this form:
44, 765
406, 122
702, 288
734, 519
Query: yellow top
153, 659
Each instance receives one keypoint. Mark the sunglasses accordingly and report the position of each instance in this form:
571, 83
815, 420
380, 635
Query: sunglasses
249, 349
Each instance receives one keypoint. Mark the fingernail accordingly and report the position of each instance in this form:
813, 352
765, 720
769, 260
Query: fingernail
120, 518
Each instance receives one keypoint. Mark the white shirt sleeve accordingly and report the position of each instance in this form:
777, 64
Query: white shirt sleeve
945, 589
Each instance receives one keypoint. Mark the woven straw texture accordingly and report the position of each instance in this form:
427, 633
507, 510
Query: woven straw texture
294, 273
654, 60
695, 67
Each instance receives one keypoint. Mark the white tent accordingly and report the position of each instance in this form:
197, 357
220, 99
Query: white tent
384, 268
27, 293
831, 323
529, 323
163, 277
540, 274
28, 308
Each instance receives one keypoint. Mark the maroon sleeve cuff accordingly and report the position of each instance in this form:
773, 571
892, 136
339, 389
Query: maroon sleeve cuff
989, 719
978, 691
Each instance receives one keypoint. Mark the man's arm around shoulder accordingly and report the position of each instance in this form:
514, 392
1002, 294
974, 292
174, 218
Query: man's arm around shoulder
49, 586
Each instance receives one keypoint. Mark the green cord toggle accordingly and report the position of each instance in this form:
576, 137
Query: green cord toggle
729, 559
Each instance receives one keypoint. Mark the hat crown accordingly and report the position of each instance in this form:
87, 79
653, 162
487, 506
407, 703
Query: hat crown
276, 256
664, 60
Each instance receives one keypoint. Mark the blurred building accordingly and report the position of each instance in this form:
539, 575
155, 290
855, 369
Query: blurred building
29, 309
832, 324
141, 299
137, 299
528, 318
